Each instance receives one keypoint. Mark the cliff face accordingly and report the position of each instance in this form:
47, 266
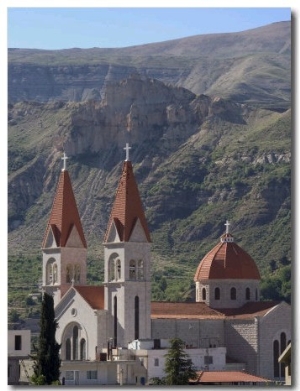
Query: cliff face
250, 66
198, 161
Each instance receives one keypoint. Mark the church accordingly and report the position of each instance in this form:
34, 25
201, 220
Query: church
114, 334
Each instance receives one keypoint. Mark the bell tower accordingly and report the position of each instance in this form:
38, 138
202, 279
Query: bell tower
64, 246
127, 259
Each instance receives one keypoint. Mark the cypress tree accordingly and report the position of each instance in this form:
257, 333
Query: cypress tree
47, 360
179, 367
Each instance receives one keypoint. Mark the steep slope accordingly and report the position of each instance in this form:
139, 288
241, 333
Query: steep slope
198, 161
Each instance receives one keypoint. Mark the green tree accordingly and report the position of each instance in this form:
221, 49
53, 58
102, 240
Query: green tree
179, 367
47, 360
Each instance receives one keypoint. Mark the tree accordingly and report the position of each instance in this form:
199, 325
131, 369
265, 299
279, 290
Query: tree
179, 367
47, 360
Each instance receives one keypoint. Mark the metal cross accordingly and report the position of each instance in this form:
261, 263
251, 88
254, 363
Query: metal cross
127, 148
64, 158
227, 226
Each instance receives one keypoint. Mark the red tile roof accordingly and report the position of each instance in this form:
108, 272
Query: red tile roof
93, 295
227, 261
196, 310
228, 377
127, 207
64, 214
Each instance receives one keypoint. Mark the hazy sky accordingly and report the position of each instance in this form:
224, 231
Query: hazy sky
62, 27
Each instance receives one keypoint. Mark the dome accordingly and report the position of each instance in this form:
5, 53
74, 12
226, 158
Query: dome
227, 261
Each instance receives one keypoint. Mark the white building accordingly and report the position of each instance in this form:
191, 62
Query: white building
227, 318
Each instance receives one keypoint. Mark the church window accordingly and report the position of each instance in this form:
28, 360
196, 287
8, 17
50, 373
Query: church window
282, 347
77, 273
75, 343
203, 294
54, 274
233, 293
82, 349
68, 349
156, 362
115, 321
247, 293
132, 274
69, 273
136, 317
118, 269
111, 270
140, 270
217, 293
275, 358
256, 295
49, 271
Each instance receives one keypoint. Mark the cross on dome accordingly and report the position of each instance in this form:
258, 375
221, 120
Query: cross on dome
64, 158
127, 148
227, 226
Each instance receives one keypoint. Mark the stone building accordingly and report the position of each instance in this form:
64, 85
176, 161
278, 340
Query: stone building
94, 321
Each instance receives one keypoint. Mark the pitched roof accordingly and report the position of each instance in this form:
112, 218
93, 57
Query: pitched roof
64, 213
227, 377
197, 310
127, 207
227, 261
93, 295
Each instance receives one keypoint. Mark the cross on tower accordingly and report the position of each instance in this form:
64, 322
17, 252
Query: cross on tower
64, 158
127, 148
227, 226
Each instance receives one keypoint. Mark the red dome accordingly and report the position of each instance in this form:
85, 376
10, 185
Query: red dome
227, 261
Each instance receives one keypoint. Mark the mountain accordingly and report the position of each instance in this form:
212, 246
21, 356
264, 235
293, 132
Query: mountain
252, 66
199, 159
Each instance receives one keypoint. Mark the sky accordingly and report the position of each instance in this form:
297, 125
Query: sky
63, 27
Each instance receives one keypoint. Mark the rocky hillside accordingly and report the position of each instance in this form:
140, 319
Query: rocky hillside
198, 161
252, 66
209, 122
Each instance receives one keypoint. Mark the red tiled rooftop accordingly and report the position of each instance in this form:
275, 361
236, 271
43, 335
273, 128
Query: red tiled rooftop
196, 310
228, 377
227, 261
127, 207
64, 213
93, 295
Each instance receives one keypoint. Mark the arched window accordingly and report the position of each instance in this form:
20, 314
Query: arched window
132, 274
115, 321
68, 349
247, 293
69, 273
203, 294
275, 358
77, 273
55, 273
75, 343
136, 317
217, 293
82, 349
233, 293
111, 270
140, 270
118, 266
282, 347
49, 273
